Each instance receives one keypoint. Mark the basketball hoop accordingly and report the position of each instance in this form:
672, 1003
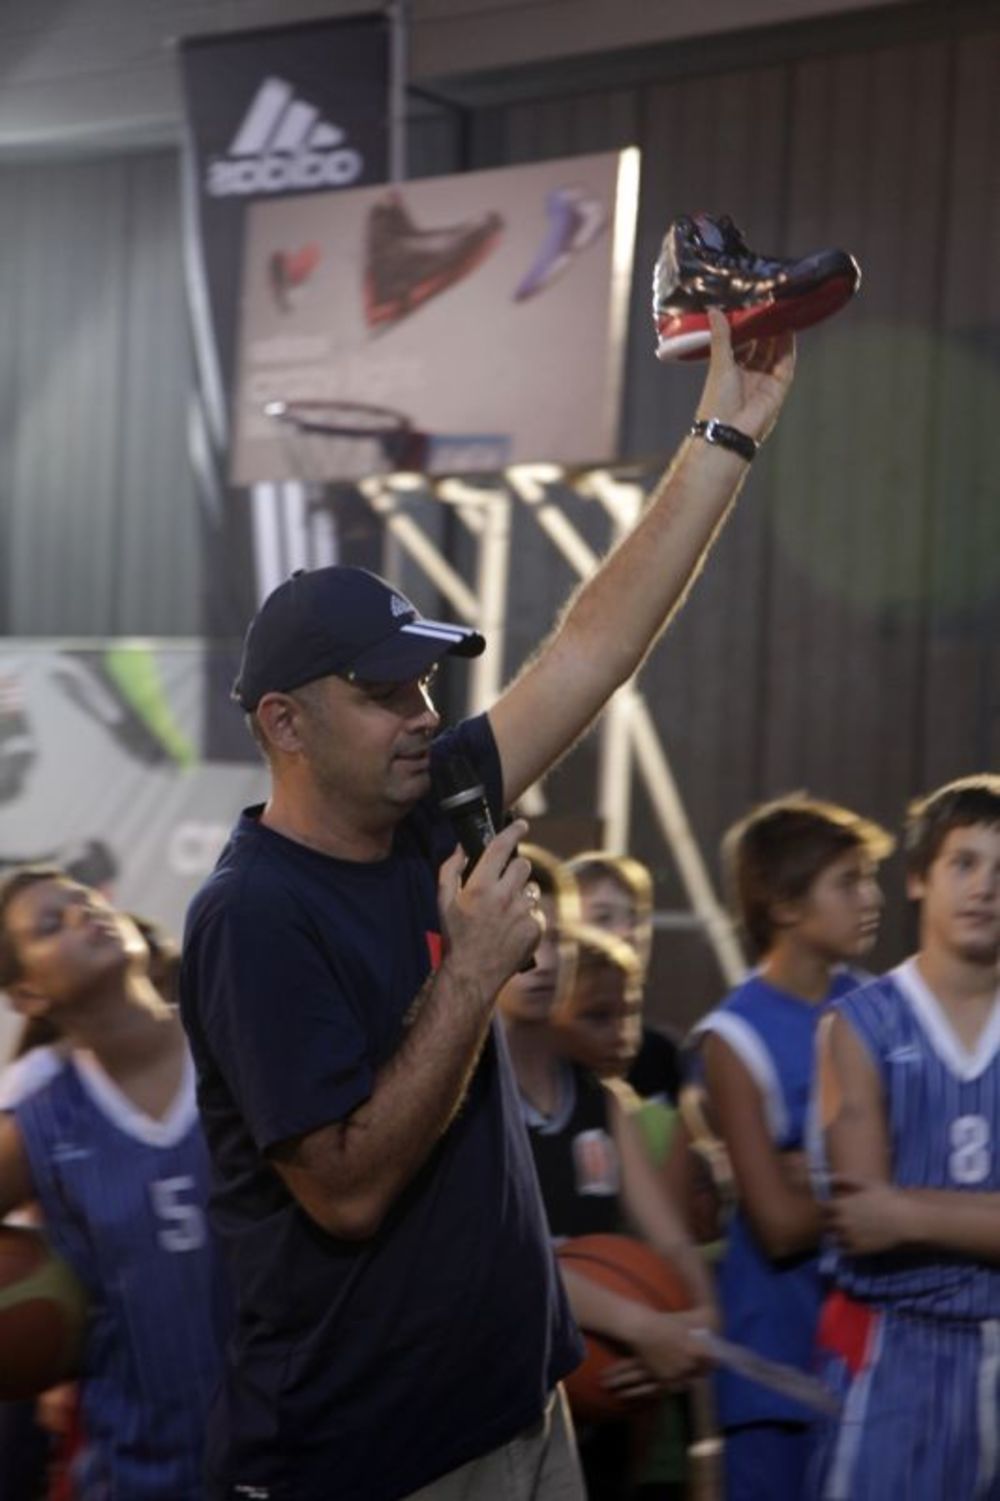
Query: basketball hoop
348, 440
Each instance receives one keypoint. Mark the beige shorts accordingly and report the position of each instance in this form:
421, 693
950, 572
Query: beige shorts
540, 1464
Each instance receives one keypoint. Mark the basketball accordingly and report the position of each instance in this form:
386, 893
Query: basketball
42, 1315
636, 1271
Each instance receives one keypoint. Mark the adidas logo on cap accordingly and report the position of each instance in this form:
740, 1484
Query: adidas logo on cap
283, 146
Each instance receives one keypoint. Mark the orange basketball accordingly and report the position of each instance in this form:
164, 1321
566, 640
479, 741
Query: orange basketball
636, 1271
42, 1315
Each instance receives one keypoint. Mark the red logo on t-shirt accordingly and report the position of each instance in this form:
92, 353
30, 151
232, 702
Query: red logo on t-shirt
434, 948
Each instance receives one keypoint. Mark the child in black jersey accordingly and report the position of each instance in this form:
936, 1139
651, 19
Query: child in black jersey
594, 1170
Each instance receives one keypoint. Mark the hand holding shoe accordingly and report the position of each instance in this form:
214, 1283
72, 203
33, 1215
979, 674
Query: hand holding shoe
746, 388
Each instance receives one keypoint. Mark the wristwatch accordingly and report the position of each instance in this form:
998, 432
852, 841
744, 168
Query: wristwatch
714, 431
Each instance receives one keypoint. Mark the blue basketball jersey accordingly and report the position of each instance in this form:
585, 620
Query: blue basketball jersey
943, 1113
123, 1200
770, 1306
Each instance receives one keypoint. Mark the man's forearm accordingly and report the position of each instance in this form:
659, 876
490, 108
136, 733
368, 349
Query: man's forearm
347, 1175
418, 1091
646, 578
621, 611
616, 617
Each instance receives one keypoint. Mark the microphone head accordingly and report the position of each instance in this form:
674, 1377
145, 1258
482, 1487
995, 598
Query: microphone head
456, 783
461, 796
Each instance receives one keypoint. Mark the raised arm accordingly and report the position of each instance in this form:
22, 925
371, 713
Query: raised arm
616, 616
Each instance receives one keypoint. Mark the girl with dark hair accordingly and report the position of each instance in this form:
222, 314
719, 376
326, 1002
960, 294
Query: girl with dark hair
111, 1150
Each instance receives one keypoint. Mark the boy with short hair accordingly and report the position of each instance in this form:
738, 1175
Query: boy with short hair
802, 879
616, 895
910, 1107
593, 1168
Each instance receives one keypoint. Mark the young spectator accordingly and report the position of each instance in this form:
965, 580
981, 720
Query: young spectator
593, 1166
597, 1024
616, 895
44, 1437
910, 1105
802, 875
41, 1050
110, 1148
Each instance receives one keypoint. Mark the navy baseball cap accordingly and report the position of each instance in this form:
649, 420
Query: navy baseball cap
345, 621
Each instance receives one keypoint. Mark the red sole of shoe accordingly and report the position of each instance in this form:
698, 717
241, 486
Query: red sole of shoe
686, 336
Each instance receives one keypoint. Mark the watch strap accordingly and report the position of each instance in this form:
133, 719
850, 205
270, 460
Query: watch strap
720, 433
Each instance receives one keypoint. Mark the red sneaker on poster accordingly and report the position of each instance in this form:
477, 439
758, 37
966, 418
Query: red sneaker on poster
705, 262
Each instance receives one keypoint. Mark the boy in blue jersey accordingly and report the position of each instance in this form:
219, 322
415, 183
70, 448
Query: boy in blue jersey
110, 1148
910, 1108
802, 878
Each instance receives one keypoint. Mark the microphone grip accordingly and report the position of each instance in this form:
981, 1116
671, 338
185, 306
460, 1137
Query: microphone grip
475, 831
474, 828
462, 798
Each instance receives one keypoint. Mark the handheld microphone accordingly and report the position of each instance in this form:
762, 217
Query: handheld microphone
462, 796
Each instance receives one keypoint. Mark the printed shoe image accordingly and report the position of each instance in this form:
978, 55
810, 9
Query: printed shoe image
18, 748
406, 266
705, 262
575, 221
289, 272
120, 689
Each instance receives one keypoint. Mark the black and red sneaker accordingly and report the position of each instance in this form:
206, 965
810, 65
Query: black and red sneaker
705, 262
405, 266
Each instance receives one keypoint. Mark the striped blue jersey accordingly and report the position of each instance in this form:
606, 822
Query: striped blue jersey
123, 1200
943, 1113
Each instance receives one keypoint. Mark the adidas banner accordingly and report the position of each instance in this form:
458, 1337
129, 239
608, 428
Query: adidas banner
291, 109
283, 110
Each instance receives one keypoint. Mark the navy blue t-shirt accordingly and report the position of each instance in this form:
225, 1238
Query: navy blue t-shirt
359, 1370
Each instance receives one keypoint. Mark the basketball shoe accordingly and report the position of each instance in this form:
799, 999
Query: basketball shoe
18, 747
120, 689
405, 266
575, 221
706, 262
289, 272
